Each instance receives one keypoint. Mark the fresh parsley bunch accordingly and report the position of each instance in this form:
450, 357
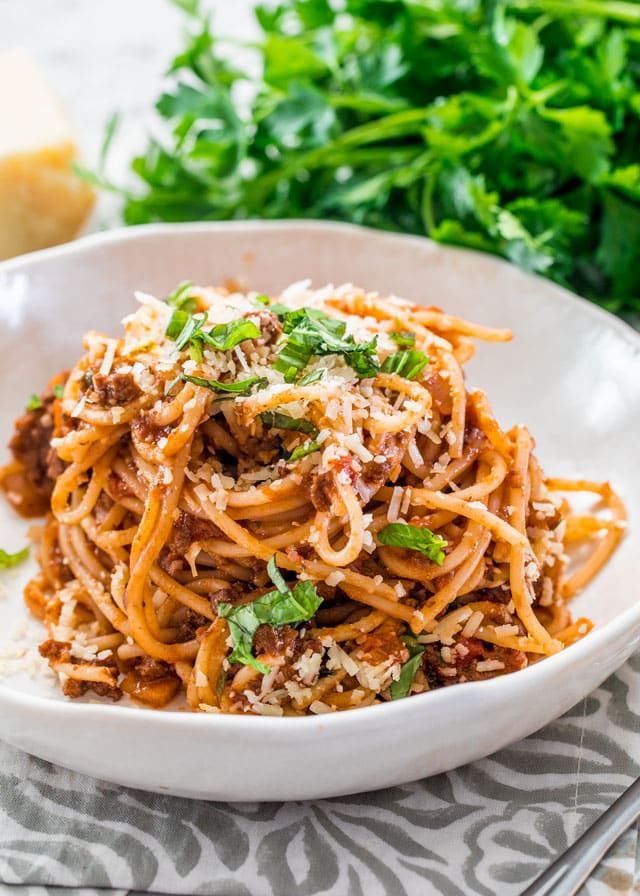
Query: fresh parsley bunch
509, 126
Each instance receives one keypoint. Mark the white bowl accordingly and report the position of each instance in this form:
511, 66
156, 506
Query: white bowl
572, 375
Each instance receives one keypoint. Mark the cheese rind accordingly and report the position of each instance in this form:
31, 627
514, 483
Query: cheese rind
42, 201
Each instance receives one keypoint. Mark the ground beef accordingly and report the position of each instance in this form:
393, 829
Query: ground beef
58, 567
151, 682
188, 622
30, 445
234, 594
148, 669
55, 651
275, 641
115, 388
268, 324
187, 529
322, 487
465, 665
147, 430
392, 446
376, 647
60, 652
440, 393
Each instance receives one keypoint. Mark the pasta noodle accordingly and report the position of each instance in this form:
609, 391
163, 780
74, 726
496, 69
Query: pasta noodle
293, 505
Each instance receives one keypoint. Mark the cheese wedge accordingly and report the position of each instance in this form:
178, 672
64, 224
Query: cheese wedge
42, 202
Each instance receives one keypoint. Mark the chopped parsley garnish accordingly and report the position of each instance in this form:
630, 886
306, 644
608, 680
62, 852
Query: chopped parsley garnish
303, 451
408, 364
402, 686
34, 403
238, 388
311, 333
263, 300
274, 420
414, 538
404, 339
284, 606
58, 390
186, 330
8, 561
181, 298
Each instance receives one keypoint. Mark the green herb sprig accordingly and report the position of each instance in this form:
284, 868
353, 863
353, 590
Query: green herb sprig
414, 538
8, 561
402, 687
311, 333
509, 126
408, 364
284, 606
240, 387
187, 331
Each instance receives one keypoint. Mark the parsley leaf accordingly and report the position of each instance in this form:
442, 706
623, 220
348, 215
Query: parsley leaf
284, 606
274, 420
414, 538
34, 403
240, 387
58, 390
408, 364
505, 142
7, 561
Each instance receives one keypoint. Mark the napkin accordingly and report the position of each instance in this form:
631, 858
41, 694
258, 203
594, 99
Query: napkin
488, 828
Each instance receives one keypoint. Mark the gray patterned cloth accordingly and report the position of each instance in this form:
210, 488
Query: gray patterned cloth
488, 828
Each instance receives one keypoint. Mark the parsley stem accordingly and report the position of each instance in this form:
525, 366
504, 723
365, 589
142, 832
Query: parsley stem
618, 10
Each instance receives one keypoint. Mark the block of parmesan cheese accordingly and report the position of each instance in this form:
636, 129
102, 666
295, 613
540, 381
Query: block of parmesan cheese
42, 202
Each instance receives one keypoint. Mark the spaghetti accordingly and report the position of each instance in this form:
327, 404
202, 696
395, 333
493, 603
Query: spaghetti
291, 506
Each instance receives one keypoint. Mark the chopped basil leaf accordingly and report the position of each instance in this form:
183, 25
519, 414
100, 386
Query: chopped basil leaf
181, 299
280, 310
312, 333
273, 420
186, 330
216, 386
280, 607
7, 561
408, 364
312, 377
363, 359
276, 576
404, 339
292, 358
58, 390
34, 403
402, 686
303, 451
263, 300
414, 538
183, 327
224, 337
